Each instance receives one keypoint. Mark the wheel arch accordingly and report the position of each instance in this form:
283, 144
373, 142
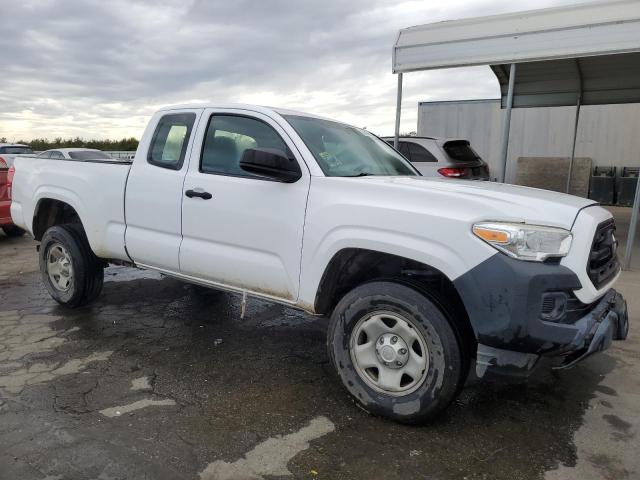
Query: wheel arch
351, 267
50, 212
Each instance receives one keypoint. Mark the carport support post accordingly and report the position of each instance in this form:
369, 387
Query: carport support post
506, 126
398, 110
573, 145
575, 126
631, 236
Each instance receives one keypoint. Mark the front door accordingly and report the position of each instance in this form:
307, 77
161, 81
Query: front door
239, 229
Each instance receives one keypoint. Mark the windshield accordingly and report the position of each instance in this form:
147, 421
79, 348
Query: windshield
344, 151
16, 150
89, 155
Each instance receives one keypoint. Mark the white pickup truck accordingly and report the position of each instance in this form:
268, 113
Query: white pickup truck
422, 278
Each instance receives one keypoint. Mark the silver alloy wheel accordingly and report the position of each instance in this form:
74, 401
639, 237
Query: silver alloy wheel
389, 353
59, 267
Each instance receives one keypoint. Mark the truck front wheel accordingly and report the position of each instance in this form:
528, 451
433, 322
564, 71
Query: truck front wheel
70, 271
395, 352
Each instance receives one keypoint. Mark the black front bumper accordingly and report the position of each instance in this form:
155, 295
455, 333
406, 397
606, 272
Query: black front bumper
504, 300
608, 321
594, 332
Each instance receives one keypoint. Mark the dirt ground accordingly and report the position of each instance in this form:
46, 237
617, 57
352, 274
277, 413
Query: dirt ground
158, 380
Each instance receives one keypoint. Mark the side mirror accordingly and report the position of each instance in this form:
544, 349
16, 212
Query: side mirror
271, 163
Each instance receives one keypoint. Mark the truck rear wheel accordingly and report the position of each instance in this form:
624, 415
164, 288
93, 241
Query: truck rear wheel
395, 352
70, 271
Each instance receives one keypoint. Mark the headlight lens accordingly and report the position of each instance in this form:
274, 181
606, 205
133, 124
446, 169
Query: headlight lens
533, 243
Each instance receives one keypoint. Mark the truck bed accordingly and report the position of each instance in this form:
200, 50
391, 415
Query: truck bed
89, 186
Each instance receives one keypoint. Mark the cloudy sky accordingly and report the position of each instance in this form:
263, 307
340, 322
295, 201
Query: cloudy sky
98, 69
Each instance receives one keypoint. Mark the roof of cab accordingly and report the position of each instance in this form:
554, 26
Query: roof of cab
244, 106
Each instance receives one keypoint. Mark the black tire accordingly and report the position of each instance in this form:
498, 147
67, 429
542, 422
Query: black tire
13, 231
88, 270
446, 369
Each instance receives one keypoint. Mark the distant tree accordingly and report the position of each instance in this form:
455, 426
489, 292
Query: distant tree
124, 144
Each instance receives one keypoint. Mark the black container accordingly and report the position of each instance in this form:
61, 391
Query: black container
602, 185
626, 186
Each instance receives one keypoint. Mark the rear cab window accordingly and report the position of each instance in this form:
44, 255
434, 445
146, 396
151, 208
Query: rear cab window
169, 143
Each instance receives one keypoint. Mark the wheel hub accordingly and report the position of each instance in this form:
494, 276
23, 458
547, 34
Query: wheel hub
392, 350
389, 353
59, 268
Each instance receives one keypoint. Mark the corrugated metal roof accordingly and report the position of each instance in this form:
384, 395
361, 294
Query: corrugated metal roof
606, 79
596, 28
594, 45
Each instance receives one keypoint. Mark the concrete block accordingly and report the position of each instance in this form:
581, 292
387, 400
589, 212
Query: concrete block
550, 173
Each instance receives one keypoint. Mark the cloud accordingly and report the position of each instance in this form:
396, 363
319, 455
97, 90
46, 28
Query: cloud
99, 69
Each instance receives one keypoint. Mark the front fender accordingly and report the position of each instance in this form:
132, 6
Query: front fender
439, 255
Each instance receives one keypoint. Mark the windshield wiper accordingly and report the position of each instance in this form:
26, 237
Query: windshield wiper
361, 174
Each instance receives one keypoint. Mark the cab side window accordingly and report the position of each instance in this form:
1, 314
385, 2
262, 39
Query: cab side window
169, 143
228, 136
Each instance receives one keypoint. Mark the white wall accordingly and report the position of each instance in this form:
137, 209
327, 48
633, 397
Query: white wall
609, 134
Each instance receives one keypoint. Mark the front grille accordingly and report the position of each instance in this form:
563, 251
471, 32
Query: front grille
603, 261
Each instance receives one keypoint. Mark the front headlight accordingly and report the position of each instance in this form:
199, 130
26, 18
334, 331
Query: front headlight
526, 242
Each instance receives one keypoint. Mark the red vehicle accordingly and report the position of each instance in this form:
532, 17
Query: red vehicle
8, 151
6, 177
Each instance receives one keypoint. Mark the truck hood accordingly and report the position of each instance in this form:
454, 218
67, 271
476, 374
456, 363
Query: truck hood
495, 201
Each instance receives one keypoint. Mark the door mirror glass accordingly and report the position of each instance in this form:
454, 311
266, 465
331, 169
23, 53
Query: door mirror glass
271, 163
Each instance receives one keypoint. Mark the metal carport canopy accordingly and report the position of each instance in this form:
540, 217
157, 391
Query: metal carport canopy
585, 54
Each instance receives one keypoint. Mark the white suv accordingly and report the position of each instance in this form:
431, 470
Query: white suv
443, 157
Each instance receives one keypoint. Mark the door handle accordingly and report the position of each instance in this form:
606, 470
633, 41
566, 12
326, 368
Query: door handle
198, 193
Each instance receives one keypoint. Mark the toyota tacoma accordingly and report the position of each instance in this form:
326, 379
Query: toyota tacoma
423, 279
